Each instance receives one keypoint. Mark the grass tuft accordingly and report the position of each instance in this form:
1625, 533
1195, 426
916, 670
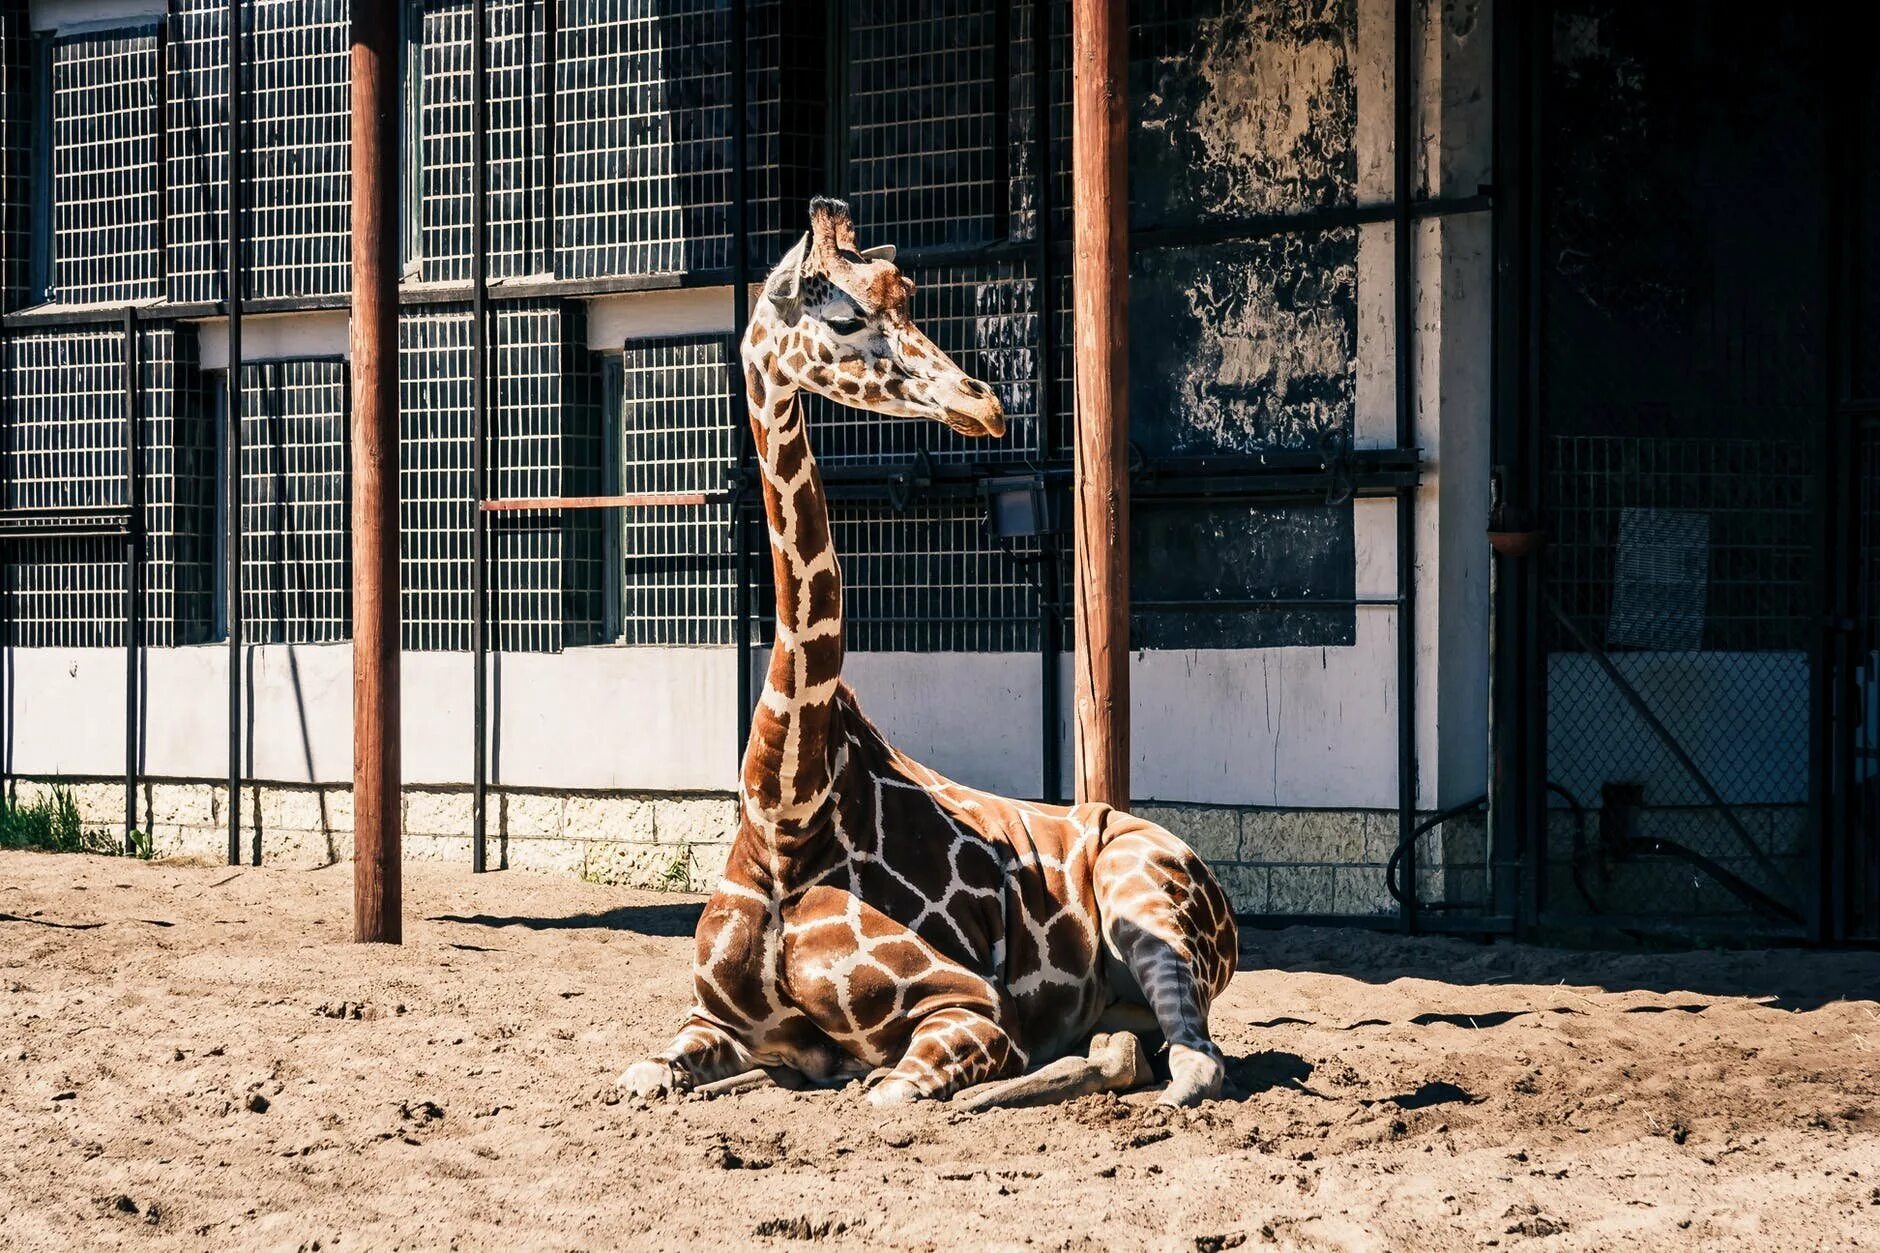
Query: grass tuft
51, 825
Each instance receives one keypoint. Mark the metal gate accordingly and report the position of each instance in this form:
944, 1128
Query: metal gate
1699, 446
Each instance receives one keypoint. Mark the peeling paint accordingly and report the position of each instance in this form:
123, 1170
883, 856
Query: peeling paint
1241, 113
1248, 347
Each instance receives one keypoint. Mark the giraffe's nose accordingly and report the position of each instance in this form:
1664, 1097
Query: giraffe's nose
976, 389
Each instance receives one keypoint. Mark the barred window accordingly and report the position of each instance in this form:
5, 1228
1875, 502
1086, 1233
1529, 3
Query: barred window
102, 187
296, 565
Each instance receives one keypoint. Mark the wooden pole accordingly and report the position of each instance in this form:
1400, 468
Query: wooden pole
1100, 297
377, 889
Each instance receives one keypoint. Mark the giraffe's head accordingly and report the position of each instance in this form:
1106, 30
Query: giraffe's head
834, 319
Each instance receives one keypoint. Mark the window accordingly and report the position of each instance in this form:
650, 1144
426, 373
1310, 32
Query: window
97, 181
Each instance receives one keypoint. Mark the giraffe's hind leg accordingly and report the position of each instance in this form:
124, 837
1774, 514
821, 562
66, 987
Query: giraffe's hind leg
1167, 922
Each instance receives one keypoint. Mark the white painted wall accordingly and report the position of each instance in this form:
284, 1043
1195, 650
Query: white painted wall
276, 337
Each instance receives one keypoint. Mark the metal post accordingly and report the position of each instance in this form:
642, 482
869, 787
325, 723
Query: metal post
133, 577
734, 371
376, 115
233, 289
1100, 276
1050, 767
1403, 279
479, 414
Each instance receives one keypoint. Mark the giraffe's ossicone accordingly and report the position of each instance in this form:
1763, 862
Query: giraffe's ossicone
874, 914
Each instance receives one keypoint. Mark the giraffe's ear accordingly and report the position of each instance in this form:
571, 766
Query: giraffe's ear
880, 252
784, 287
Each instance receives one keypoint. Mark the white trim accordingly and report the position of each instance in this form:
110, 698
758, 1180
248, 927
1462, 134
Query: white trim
74, 16
613, 320
276, 337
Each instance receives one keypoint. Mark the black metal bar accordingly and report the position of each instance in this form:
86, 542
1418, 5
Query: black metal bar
1403, 150
1050, 681
1001, 210
551, 142
233, 291
479, 415
1835, 695
1237, 604
1532, 698
133, 577
1508, 644
734, 373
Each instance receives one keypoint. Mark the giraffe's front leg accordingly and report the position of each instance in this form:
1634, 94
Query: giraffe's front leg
702, 1052
949, 1050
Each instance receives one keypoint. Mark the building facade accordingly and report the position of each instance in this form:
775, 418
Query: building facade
1336, 216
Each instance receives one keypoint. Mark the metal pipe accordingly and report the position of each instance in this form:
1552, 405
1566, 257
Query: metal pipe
1050, 763
377, 769
236, 197
133, 577
734, 373
1405, 294
1100, 276
479, 416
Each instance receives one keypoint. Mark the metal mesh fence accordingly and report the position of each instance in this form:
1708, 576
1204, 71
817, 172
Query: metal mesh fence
105, 137
296, 540
64, 445
299, 193
545, 569
1678, 668
928, 122
644, 132
517, 139
677, 433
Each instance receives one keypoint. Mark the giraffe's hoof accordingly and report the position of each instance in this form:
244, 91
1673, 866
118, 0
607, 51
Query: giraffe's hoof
890, 1092
1194, 1076
648, 1079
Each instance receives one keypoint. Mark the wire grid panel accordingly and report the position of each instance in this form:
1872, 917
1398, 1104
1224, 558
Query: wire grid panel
985, 316
296, 539
298, 147
677, 434
16, 154
927, 137
64, 445
539, 395
105, 203
514, 92
927, 580
644, 135
1733, 690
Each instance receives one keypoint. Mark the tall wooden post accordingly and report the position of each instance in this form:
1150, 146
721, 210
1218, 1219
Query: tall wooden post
377, 887
1100, 296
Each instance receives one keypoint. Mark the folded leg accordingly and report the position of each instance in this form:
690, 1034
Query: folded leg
949, 1050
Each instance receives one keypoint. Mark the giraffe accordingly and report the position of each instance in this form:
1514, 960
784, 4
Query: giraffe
874, 917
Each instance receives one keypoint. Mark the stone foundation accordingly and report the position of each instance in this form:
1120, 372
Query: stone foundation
1271, 861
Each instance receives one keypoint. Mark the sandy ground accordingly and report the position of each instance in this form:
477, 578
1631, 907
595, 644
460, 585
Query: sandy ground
197, 1058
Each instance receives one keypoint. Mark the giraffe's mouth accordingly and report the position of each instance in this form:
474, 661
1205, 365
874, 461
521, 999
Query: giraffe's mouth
976, 424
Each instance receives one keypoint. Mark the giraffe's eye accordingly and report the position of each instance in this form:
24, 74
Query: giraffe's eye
845, 326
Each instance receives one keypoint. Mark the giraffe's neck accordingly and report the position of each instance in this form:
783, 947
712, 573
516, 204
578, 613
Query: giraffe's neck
790, 759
